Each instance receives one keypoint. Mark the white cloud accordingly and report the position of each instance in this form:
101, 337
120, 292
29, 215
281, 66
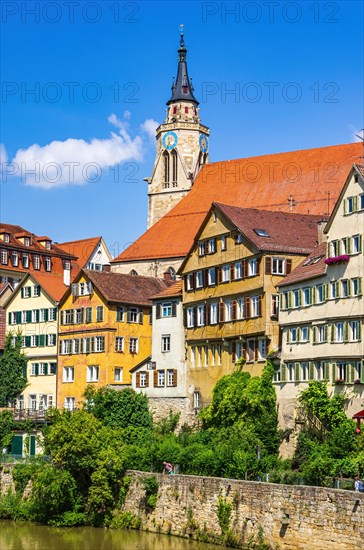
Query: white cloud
149, 126
76, 161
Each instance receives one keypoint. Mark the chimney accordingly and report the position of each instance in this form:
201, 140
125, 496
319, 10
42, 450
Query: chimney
320, 231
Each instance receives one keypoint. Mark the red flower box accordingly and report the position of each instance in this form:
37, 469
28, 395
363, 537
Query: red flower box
337, 259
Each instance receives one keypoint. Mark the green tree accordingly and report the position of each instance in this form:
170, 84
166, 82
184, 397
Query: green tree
118, 409
13, 364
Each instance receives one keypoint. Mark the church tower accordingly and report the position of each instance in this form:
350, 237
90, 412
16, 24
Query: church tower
181, 148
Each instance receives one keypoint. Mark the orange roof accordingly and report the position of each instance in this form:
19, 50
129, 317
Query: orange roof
174, 290
311, 267
311, 178
82, 249
52, 283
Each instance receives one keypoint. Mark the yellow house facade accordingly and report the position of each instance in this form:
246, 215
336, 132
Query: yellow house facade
230, 298
32, 310
104, 331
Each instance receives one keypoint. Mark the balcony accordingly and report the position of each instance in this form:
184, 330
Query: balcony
33, 415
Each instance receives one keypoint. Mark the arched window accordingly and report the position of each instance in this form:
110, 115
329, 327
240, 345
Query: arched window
133, 272
166, 168
174, 168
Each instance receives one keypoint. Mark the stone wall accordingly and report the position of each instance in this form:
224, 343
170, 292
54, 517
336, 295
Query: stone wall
6, 479
283, 516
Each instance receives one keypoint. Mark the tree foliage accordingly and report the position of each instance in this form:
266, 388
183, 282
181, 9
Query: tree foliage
13, 364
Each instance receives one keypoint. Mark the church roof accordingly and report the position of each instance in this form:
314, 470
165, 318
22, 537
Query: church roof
182, 88
307, 182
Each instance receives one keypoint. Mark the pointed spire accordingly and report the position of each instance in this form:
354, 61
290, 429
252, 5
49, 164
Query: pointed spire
182, 89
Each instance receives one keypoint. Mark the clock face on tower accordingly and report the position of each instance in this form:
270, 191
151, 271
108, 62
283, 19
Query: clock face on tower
169, 140
204, 143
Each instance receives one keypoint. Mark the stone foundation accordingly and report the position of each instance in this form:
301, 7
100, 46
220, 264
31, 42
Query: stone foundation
283, 516
161, 406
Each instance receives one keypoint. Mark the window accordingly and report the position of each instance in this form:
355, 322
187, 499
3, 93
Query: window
200, 315
238, 350
344, 288
211, 247
25, 260
66, 264
304, 334
66, 347
228, 310
201, 248
23, 317
143, 380
92, 374
99, 344
43, 369
190, 317
355, 286
52, 314
339, 332
166, 343
254, 302
6, 237
119, 343
36, 261
119, 315
48, 263
250, 350
34, 368
33, 402
354, 331
304, 371
319, 294
223, 242
99, 314
219, 353
15, 259
252, 267
174, 168
321, 334
167, 309
4, 257
334, 291
292, 335
76, 345
262, 349
213, 313
319, 368
349, 205
335, 248
211, 276
170, 378
361, 201
296, 298
166, 169
225, 274
196, 400
133, 345
189, 281
78, 315
68, 374
238, 238
132, 315
12, 320
69, 403
356, 243
51, 339
161, 378
306, 296
341, 371
199, 279
240, 308
274, 305
26, 292
290, 372
118, 374
345, 246
27, 241
238, 270
278, 266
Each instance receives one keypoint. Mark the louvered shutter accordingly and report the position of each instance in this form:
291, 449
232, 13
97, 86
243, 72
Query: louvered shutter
283, 372
326, 370
245, 269
247, 307
22, 292
18, 317
174, 378
288, 266
314, 335
53, 368
221, 312
204, 278
232, 272
219, 274
147, 378
137, 379
233, 352
256, 350
194, 316
260, 305
27, 341
42, 340
185, 283
244, 350
29, 316
296, 372
362, 372
185, 317
174, 309
9, 318
62, 317
334, 371
268, 265
311, 370
155, 379
349, 373
234, 307
258, 266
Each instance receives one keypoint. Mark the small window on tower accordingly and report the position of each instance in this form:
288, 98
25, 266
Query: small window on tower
184, 89
174, 110
186, 110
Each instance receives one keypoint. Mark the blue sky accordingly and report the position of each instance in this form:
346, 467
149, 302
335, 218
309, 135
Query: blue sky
99, 70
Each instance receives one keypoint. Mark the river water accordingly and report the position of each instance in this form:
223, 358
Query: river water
30, 536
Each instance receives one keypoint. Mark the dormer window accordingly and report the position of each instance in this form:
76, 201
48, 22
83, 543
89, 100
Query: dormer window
15, 258
4, 257
6, 237
48, 264
66, 264
25, 260
48, 245
36, 261
238, 238
26, 241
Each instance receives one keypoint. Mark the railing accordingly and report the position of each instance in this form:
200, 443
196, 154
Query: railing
12, 458
34, 415
310, 420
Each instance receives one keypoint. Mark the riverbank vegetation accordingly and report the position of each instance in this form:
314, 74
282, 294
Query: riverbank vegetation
237, 436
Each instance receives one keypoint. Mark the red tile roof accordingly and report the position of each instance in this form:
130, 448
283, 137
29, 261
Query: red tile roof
313, 266
82, 249
288, 232
15, 231
174, 290
126, 289
313, 178
52, 283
